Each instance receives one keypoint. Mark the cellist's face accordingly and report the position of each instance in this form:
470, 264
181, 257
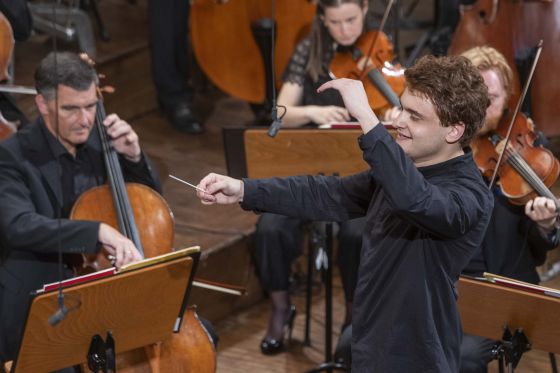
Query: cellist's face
76, 115
345, 22
497, 95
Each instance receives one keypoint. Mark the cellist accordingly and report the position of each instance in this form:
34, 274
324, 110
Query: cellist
43, 169
518, 237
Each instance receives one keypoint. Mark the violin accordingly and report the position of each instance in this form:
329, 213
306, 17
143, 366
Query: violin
370, 61
527, 171
513, 28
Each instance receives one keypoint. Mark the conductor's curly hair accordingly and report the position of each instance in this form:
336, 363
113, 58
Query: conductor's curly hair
455, 88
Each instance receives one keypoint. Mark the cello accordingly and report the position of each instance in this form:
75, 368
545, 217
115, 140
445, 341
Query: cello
6, 49
128, 206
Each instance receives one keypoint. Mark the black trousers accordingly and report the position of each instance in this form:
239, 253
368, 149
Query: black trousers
168, 23
279, 240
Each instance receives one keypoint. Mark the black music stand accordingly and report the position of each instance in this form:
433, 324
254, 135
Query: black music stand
329, 364
112, 306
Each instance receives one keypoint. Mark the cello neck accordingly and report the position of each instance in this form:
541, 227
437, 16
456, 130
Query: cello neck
115, 179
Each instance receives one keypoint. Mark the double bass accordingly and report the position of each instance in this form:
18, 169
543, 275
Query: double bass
513, 27
144, 217
226, 49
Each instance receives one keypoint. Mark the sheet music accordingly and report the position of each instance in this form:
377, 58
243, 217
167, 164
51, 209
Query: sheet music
501, 280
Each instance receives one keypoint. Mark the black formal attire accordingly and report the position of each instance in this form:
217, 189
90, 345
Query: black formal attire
279, 239
422, 227
513, 246
168, 23
39, 181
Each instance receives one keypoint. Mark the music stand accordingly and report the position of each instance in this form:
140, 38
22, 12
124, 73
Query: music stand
135, 307
297, 152
487, 309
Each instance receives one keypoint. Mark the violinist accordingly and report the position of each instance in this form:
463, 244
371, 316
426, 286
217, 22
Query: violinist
43, 169
337, 26
518, 237
279, 238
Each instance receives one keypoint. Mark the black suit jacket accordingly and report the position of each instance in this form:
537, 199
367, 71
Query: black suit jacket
30, 196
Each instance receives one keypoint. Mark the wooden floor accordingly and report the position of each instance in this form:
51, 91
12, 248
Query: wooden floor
126, 62
241, 334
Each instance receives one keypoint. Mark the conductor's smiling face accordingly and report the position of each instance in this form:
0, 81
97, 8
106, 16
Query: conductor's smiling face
420, 133
76, 115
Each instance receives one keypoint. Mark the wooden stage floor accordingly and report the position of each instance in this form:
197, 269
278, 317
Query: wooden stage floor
223, 232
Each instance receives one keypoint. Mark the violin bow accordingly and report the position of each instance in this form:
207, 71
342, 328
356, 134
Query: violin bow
517, 108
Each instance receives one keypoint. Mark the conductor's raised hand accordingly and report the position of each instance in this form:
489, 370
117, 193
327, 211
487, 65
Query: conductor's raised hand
220, 189
355, 100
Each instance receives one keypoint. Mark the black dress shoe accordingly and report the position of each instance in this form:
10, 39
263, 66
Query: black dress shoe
273, 346
183, 119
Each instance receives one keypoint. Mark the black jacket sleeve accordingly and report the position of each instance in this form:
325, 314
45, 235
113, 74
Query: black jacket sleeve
27, 219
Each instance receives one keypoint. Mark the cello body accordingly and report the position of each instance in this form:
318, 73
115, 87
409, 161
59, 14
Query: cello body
190, 350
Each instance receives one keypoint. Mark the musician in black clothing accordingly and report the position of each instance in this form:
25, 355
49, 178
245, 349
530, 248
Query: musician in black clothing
44, 168
169, 23
518, 237
426, 209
